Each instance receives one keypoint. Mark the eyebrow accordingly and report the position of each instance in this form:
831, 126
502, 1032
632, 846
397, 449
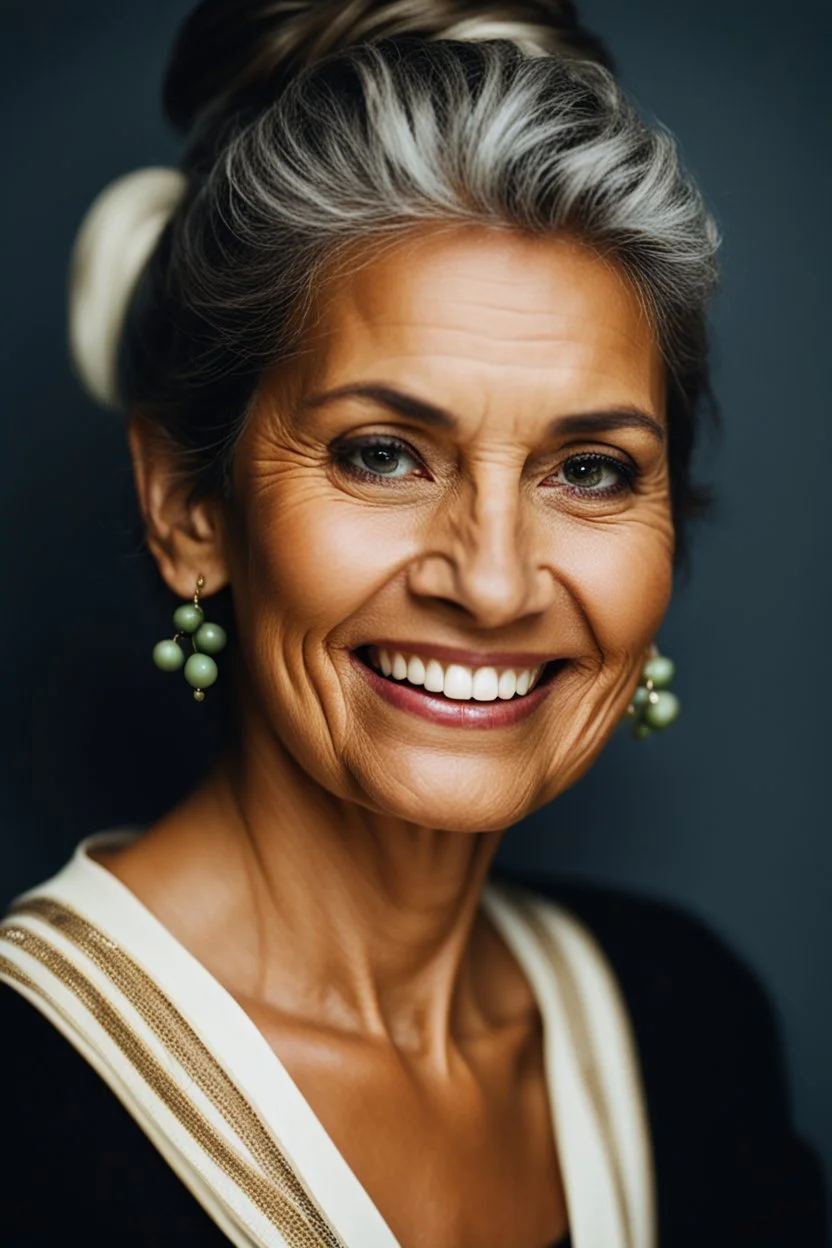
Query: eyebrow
425, 413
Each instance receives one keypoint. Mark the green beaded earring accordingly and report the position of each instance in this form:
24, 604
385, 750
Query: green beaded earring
206, 639
654, 707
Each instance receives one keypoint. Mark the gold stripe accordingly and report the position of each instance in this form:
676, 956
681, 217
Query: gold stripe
173, 1030
263, 1194
582, 1040
12, 971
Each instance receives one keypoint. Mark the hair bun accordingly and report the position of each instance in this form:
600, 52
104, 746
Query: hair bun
114, 242
228, 51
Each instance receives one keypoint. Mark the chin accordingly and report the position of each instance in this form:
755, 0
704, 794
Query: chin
455, 794
487, 791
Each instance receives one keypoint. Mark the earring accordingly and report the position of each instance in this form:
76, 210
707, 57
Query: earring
206, 639
654, 706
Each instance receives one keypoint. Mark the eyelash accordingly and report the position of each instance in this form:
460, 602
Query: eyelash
345, 450
628, 473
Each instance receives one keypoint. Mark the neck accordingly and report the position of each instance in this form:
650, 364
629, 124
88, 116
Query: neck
311, 905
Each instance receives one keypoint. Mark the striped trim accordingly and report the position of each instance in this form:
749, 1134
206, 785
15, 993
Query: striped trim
584, 1048
166, 1022
280, 1197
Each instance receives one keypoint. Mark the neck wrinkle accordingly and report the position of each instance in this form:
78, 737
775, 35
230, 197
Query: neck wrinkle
355, 920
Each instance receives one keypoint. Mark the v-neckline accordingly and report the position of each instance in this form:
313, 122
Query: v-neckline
254, 1066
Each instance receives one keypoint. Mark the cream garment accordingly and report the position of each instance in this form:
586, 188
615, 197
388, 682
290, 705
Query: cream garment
201, 1081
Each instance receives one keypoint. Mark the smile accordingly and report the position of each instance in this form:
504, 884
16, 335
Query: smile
457, 681
443, 688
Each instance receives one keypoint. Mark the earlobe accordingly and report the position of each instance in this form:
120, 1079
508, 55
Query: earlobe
186, 538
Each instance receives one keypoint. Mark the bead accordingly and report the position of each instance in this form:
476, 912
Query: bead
199, 696
640, 697
167, 656
662, 712
640, 731
200, 671
188, 617
210, 638
660, 669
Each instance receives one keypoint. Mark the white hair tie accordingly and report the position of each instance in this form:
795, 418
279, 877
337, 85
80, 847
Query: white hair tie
533, 40
114, 242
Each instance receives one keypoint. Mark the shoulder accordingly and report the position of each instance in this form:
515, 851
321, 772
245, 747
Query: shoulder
669, 963
79, 1164
701, 1018
728, 1160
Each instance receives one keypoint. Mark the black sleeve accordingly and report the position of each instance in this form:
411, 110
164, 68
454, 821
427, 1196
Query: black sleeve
769, 1181
731, 1171
76, 1167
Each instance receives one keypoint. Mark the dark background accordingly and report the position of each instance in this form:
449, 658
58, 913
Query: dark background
728, 813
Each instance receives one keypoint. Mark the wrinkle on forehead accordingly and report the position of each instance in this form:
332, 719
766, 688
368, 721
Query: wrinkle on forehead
483, 303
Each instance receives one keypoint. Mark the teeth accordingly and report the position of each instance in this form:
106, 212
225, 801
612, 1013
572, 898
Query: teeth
457, 681
486, 684
434, 677
416, 671
507, 686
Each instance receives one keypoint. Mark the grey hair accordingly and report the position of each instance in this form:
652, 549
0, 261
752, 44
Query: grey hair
377, 140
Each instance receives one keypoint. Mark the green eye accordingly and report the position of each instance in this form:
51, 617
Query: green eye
582, 472
379, 457
383, 459
596, 474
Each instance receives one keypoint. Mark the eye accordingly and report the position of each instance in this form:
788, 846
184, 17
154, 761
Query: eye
379, 457
596, 474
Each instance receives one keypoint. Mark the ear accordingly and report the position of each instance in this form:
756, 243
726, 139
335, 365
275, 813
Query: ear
187, 540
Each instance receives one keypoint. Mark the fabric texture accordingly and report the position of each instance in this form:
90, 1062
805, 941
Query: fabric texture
80, 1168
729, 1168
203, 1084
731, 1171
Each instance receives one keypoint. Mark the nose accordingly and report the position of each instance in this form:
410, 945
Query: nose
483, 555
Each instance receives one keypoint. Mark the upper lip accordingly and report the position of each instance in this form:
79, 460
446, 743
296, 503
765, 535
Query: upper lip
468, 658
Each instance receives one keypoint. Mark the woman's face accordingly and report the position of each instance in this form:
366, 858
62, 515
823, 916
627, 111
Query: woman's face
467, 468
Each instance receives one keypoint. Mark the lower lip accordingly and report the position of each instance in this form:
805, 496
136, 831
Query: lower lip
442, 710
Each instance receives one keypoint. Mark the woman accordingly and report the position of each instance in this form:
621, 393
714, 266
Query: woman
413, 351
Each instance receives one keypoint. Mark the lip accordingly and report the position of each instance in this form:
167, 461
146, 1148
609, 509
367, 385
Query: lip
469, 658
441, 710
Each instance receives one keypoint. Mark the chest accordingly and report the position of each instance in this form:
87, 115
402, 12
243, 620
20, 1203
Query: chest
465, 1156
381, 1155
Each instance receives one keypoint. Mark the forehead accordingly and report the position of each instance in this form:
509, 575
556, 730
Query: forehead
472, 306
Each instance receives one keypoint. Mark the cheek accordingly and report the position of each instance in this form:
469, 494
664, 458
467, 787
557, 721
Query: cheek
621, 575
320, 557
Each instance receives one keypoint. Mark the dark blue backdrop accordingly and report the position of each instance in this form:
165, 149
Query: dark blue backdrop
729, 812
